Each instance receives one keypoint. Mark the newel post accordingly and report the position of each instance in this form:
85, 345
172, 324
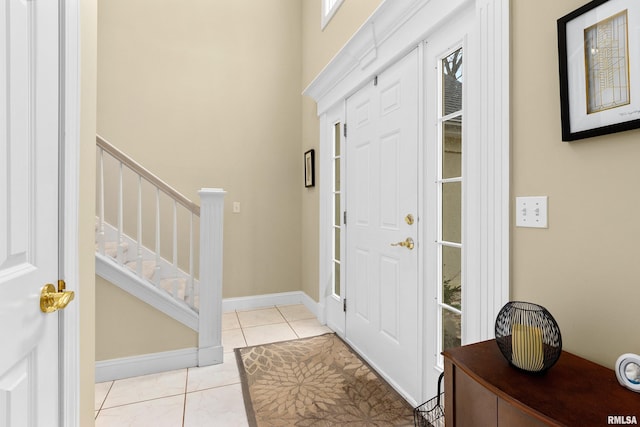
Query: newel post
210, 319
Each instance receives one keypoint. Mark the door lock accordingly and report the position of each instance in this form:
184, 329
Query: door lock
408, 243
51, 301
409, 219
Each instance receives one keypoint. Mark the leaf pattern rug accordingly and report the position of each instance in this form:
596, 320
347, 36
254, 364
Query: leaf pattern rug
316, 381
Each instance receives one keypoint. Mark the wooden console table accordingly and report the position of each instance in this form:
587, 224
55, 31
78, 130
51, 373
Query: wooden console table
482, 389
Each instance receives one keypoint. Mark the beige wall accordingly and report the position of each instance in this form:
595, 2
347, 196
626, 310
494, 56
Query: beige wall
319, 47
86, 214
137, 329
585, 267
189, 92
175, 93
208, 95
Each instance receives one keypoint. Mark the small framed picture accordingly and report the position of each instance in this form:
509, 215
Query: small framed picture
599, 59
309, 168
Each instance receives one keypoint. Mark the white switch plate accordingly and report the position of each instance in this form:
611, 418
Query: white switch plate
531, 212
236, 207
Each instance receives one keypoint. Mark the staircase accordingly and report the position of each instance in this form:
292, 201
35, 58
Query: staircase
161, 247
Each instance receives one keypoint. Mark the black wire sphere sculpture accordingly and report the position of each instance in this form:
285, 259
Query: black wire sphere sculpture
528, 336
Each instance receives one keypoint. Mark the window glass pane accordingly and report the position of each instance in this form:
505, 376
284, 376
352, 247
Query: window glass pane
451, 330
336, 278
451, 211
452, 148
336, 174
451, 272
452, 83
336, 207
336, 243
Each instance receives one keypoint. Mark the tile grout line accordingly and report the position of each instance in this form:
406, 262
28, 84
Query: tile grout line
184, 402
104, 400
287, 320
141, 401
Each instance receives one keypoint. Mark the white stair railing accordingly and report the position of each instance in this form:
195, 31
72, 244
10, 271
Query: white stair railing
118, 239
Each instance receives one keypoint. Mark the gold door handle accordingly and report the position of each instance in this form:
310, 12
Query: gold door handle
52, 300
406, 244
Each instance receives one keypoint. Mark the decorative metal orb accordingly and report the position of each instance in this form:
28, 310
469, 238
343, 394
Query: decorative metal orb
528, 336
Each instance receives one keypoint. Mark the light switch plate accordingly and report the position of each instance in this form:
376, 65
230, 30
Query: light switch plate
531, 212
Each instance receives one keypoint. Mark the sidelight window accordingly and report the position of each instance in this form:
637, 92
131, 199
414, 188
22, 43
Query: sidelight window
337, 211
449, 189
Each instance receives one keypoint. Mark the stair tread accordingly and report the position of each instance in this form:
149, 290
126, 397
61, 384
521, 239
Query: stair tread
111, 248
148, 268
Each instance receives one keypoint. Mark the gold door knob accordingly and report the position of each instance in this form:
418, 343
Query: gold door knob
52, 300
408, 243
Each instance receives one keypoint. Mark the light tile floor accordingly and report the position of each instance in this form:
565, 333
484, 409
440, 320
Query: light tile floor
198, 397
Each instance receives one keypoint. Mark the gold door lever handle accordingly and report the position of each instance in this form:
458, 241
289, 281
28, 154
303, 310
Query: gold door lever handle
408, 243
52, 300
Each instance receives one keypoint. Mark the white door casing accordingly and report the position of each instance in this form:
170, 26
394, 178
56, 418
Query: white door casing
29, 126
382, 209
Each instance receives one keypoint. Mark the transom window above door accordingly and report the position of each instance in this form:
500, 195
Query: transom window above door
329, 8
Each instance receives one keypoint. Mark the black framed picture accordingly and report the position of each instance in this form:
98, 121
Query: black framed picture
309, 168
599, 59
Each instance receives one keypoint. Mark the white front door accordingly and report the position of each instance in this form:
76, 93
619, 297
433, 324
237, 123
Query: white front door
29, 127
381, 203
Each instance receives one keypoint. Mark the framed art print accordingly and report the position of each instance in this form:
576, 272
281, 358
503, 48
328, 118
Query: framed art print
309, 169
599, 59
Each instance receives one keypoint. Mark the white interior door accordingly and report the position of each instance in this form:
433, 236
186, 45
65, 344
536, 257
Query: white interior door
29, 124
382, 202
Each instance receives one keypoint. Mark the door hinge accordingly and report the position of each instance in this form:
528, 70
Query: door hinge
344, 305
344, 130
344, 217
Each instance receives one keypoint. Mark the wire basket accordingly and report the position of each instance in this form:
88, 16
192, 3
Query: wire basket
431, 412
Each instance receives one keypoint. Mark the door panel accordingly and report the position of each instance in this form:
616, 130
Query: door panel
28, 210
382, 280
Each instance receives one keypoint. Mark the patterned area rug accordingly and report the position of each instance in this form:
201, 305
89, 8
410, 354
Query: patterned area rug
316, 381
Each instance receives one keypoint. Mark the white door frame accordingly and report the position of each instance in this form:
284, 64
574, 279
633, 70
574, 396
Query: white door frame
69, 172
393, 29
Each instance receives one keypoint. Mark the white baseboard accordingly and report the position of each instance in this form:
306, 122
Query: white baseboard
210, 355
127, 367
270, 300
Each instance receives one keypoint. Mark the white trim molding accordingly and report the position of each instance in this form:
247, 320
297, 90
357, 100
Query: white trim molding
70, 138
128, 281
152, 363
493, 147
210, 350
270, 300
396, 27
